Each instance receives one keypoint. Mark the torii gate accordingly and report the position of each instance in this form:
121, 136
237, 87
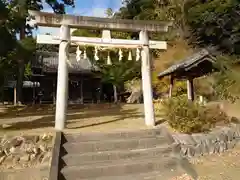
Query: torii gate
65, 22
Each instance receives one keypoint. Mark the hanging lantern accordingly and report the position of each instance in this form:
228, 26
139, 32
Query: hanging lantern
120, 54
85, 54
96, 54
78, 54
137, 55
130, 56
109, 62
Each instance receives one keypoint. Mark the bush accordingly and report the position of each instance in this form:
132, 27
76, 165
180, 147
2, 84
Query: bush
190, 117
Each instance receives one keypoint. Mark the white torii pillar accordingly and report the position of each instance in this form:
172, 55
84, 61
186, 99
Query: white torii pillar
62, 79
147, 80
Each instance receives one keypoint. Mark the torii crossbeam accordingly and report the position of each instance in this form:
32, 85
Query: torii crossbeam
115, 43
65, 22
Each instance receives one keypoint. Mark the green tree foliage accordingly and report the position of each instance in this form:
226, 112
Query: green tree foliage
119, 72
190, 117
198, 22
211, 22
216, 22
163, 10
15, 16
109, 12
227, 81
86, 33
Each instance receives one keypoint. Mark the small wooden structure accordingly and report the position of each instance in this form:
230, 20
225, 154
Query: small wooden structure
197, 65
44, 68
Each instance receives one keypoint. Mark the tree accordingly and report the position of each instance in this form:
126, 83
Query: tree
18, 13
216, 23
163, 10
118, 73
109, 12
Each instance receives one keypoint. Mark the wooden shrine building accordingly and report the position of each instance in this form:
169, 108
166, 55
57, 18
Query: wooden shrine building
84, 79
197, 65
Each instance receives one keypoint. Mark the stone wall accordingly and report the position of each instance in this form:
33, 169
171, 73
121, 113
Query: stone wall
25, 151
218, 140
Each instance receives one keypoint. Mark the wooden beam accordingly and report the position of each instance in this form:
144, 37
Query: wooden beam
84, 22
171, 86
190, 89
15, 96
114, 43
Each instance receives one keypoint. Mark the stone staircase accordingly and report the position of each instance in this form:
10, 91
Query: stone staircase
135, 155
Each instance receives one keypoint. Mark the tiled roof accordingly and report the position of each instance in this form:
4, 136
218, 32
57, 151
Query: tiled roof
49, 62
188, 63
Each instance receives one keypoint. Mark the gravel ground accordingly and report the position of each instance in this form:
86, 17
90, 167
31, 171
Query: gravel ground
225, 166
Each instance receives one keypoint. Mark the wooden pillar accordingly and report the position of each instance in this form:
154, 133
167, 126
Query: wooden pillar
62, 79
34, 92
54, 92
81, 90
171, 86
15, 96
190, 89
147, 80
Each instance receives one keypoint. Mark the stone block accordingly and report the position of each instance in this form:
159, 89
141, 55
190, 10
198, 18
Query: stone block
222, 146
231, 144
223, 137
205, 148
191, 151
198, 138
237, 130
186, 139
228, 132
198, 150
216, 147
184, 150
25, 158
176, 138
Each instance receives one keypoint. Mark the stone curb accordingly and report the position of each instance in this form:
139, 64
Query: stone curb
54, 168
217, 141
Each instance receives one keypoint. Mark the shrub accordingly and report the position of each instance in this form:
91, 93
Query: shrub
190, 117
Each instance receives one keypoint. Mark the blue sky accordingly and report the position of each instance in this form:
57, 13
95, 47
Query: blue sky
94, 8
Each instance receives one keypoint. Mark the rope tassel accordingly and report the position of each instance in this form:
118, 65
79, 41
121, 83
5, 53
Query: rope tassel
120, 55
130, 56
109, 62
85, 55
96, 54
137, 55
78, 54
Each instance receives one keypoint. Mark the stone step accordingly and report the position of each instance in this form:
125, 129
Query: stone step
111, 145
155, 175
85, 137
120, 168
90, 158
25, 174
